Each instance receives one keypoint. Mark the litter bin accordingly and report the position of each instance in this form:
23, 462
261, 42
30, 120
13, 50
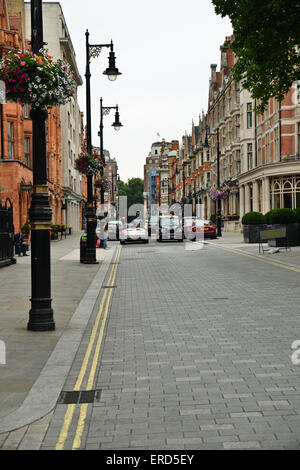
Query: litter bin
83, 246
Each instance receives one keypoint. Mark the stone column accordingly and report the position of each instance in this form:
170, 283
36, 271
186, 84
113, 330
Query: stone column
266, 195
247, 198
255, 195
242, 201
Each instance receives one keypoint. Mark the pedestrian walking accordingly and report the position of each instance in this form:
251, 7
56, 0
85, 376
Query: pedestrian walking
20, 246
105, 237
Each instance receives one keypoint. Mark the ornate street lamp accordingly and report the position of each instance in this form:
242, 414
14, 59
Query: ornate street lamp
93, 51
40, 213
218, 202
112, 72
104, 111
219, 221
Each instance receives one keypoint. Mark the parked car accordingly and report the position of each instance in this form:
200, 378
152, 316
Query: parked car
170, 228
134, 235
114, 227
194, 225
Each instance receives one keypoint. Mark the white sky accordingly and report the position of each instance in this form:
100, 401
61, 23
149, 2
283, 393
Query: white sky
164, 49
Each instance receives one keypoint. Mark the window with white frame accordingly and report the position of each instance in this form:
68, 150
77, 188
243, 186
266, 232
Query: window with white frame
237, 126
224, 169
250, 155
10, 138
285, 192
298, 92
276, 144
249, 116
230, 166
26, 111
267, 147
259, 154
238, 161
27, 151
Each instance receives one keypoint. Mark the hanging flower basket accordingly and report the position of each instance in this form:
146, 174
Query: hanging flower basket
218, 193
88, 164
103, 183
36, 79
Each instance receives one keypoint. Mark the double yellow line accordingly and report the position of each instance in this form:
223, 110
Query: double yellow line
102, 314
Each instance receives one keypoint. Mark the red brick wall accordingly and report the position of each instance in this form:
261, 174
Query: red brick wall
14, 172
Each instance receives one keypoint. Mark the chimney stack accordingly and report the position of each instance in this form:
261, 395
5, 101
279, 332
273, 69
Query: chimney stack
213, 74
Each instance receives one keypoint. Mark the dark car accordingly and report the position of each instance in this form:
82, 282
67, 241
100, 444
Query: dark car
170, 228
204, 228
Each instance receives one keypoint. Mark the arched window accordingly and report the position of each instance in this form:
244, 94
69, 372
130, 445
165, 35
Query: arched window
287, 195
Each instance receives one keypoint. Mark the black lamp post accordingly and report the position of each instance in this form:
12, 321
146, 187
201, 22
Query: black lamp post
93, 51
40, 214
183, 179
104, 111
218, 202
219, 222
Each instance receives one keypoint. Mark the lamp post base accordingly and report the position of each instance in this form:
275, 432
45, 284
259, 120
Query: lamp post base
41, 318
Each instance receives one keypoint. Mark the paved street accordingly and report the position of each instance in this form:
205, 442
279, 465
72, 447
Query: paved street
187, 349
196, 354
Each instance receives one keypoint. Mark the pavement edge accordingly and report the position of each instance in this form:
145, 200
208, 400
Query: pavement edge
37, 403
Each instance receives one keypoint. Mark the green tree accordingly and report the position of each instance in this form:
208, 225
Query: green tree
133, 189
266, 39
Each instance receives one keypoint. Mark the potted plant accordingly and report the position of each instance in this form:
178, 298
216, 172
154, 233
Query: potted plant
288, 218
25, 229
36, 79
252, 223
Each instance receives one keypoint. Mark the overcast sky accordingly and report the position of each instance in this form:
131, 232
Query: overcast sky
164, 49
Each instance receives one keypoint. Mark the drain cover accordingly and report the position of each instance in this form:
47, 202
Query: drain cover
80, 396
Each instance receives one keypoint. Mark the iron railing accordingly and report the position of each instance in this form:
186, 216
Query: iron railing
6, 233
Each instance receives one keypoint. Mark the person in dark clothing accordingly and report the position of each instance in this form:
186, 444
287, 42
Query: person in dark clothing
20, 246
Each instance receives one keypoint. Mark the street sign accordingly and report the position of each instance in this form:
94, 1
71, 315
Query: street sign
26, 187
273, 234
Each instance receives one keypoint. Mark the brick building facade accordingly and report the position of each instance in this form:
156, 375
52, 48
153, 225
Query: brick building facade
16, 176
259, 155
